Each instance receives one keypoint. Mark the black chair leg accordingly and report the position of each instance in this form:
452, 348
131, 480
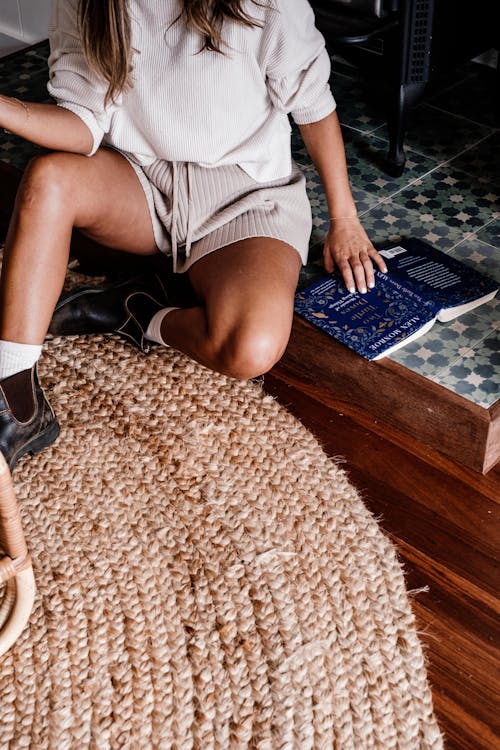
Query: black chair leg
405, 95
497, 91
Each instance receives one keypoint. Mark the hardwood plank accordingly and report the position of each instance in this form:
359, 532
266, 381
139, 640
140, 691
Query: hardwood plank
460, 635
439, 540
460, 627
291, 391
402, 399
406, 484
463, 595
471, 735
288, 385
465, 688
454, 501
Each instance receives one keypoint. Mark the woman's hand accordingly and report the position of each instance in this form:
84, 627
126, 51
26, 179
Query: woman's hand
348, 248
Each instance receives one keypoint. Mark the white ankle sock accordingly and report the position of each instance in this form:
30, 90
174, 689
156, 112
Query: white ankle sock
15, 357
154, 328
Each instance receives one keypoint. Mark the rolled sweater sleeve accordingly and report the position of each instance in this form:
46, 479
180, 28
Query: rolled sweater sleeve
72, 83
298, 67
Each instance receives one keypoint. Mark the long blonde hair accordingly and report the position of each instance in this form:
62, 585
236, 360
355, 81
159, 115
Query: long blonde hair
106, 33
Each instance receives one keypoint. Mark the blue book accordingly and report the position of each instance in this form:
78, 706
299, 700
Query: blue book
422, 285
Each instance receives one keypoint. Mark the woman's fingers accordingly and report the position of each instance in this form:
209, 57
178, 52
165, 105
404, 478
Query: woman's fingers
347, 272
354, 255
356, 268
378, 260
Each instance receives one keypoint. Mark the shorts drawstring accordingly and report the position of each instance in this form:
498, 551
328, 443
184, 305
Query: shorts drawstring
189, 230
175, 211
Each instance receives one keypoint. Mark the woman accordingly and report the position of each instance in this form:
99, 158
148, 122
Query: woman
170, 134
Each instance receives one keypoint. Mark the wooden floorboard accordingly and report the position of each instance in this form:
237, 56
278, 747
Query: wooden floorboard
399, 397
445, 521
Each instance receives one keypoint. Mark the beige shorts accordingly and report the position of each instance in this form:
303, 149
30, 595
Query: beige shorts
196, 210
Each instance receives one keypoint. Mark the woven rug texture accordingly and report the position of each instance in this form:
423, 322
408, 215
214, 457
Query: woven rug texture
207, 577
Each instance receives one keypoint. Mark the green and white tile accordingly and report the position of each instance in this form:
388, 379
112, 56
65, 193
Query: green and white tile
476, 374
357, 104
24, 76
451, 197
446, 344
366, 155
481, 256
390, 221
364, 200
490, 233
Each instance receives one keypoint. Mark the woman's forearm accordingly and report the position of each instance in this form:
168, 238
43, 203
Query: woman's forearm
347, 246
325, 145
46, 125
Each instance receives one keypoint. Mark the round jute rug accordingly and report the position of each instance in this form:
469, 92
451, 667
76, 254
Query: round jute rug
207, 577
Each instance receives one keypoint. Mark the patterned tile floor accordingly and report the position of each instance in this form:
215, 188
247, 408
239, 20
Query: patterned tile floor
448, 195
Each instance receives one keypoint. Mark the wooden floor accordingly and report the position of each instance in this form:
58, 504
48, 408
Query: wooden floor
444, 520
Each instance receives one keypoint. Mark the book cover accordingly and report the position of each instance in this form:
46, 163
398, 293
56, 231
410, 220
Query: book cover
403, 305
437, 276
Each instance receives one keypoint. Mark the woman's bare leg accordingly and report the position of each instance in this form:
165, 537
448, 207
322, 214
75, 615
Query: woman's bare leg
246, 289
101, 195
243, 325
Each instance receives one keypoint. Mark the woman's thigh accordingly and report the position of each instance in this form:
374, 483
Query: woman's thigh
249, 287
106, 198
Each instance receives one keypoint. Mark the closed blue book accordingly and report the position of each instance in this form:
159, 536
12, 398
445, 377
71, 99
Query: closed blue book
422, 285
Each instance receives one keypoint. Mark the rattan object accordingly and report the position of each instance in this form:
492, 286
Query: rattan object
16, 572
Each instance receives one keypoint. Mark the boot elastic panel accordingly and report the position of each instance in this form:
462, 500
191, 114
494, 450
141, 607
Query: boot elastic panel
19, 394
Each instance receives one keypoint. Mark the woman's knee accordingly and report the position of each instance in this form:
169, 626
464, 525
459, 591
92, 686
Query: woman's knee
48, 182
248, 352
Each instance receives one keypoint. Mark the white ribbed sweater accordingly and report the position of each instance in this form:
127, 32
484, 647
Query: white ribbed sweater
206, 108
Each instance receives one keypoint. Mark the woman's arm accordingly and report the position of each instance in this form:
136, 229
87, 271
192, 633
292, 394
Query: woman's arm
46, 125
347, 245
79, 118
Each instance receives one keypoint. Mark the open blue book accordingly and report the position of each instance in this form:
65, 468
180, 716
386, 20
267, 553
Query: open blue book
422, 285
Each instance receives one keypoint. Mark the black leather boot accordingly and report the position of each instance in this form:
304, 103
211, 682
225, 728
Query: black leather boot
27, 421
124, 307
